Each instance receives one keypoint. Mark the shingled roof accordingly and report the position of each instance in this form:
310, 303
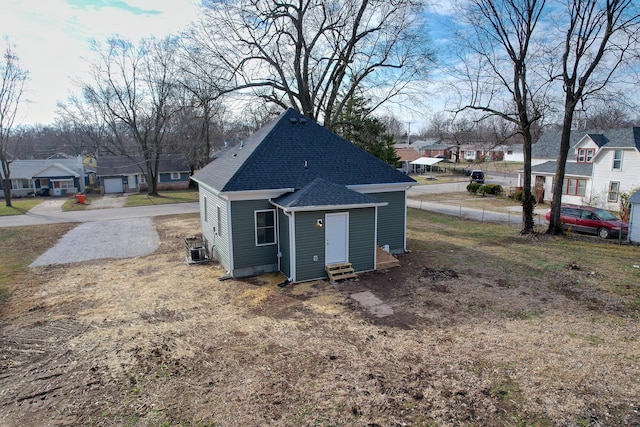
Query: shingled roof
571, 168
549, 143
320, 193
289, 153
125, 165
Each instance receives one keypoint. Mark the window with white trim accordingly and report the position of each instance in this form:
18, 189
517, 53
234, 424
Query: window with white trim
590, 154
175, 176
265, 222
614, 190
585, 155
66, 184
20, 184
617, 160
206, 210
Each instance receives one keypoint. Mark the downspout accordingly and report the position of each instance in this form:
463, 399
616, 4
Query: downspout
405, 221
375, 239
292, 247
279, 254
230, 241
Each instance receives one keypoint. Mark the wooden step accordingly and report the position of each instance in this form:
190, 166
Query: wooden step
385, 260
340, 271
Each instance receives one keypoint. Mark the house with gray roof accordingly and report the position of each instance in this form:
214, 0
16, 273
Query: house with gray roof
601, 165
55, 177
125, 174
296, 198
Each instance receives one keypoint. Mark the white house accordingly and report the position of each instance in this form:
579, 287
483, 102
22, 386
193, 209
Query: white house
513, 153
601, 165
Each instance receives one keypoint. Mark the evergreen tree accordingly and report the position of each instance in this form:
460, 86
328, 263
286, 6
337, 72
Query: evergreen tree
356, 124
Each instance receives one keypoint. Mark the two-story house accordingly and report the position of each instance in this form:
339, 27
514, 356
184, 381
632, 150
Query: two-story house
601, 165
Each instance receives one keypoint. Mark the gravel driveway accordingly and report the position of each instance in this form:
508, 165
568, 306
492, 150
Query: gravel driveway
125, 238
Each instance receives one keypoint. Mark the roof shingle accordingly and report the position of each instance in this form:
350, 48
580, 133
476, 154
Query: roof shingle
319, 193
290, 152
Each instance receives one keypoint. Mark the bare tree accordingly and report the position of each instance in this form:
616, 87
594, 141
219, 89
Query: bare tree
312, 55
203, 83
13, 80
600, 36
497, 72
134, 93
605, 117
84, 125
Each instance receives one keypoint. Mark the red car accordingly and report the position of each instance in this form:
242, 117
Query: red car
592, 220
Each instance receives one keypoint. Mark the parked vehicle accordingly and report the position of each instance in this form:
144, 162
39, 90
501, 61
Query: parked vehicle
592, 220
477, 176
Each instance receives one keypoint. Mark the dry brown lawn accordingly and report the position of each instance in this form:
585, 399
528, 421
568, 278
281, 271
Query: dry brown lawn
481, 335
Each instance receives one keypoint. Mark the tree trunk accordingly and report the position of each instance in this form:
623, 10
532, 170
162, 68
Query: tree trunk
6, 183
152, 166
555, 225
528, 201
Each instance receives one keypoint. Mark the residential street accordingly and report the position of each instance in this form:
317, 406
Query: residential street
49, 212
52, 214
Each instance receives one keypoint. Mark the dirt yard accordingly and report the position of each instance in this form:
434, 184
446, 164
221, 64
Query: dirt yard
153, 341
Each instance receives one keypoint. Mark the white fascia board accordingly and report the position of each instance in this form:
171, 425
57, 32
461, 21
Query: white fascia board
207, 187
329, 207
235, 196
381, 188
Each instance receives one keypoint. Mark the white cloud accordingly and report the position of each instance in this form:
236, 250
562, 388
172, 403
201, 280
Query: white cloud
52, 37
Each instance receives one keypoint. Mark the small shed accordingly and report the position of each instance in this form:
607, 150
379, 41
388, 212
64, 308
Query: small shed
634, 219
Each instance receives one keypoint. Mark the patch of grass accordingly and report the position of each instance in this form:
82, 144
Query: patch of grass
18, 206
174, 196
526, 314
507, 391
491, 203
429, 179
593, 340
492, 249
72, 203
20, 246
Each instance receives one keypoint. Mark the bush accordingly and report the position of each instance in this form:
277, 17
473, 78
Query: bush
518, 195
473, 187
495, 189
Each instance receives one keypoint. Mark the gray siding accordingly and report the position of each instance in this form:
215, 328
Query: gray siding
310, 242
362, 244
391, 220
283, 236
217, 240
248, 258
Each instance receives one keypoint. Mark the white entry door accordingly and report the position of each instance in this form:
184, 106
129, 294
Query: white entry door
336, 237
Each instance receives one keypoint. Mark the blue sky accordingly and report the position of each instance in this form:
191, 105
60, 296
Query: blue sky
52, 39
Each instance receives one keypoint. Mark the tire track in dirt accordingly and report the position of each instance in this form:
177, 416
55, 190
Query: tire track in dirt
44, 366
